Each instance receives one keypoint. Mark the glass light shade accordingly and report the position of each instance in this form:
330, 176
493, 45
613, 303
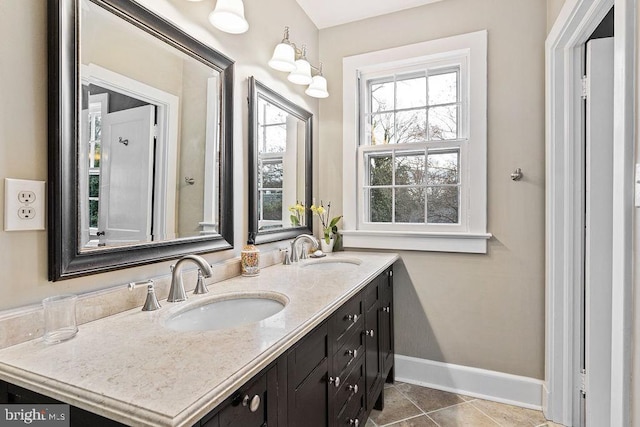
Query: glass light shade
318, 87
283, 58
228, 16
302, 74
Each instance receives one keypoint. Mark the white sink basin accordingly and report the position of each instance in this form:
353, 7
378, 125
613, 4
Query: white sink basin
228, 311
331, 262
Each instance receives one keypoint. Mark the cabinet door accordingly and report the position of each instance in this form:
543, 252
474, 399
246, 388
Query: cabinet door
308, 402
248, 407
386, 323
372, 350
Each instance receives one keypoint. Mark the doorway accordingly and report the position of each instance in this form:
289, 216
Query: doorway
565, 205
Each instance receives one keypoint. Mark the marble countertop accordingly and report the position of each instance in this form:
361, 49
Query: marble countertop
131, 368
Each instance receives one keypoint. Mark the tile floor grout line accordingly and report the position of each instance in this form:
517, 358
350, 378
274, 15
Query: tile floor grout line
404, 419
487, 415
432, 420
425, 412
447, 407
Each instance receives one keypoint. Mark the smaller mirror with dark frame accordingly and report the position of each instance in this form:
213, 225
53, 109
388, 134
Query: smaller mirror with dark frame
280, 171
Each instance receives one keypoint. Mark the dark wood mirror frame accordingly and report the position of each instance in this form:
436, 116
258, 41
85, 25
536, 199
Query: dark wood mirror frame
256, 88
65, 259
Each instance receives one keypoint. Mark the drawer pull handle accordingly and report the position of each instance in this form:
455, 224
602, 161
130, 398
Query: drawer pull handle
352, 353
253, 403
353, 389
386, 309
354, 423
370, 333
352, 317
335, 381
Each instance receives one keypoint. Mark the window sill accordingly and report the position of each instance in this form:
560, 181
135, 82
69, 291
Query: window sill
475, 243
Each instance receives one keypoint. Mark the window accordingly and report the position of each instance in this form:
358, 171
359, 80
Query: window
272, 145
415, 130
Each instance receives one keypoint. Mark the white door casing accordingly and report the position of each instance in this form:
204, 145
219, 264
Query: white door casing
564, 161
598, 230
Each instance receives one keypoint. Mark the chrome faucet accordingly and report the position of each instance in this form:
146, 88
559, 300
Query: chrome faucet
177, 293
294, 252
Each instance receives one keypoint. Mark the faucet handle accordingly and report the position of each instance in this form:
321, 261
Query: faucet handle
201, 287
286, 260
151, 303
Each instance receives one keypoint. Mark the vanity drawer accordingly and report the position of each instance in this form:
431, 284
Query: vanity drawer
353, 412
345, 319
371, 295
307, 354
351, 350
352, 385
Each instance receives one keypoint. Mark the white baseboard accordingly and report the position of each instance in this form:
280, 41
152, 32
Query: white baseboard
481, 383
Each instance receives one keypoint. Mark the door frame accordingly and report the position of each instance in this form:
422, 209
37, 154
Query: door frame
168, 116
565, 199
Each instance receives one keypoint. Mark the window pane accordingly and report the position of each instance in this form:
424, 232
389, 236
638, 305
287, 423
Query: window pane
380, 169
94, 185
442, 168
272, 205
410, 205
269, 113
381, 97
442, 205
94, 162
411, 126
271, 176
93, 213
443, 122
443, 88
411, 93
382, 129
380, 204
409, 169
275, 139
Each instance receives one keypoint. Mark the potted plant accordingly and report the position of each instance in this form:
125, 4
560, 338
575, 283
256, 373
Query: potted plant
329, 226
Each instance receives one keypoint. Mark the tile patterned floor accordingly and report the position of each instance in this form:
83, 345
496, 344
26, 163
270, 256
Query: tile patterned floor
408, 405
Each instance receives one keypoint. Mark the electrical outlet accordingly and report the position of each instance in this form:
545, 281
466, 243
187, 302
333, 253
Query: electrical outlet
26, 197
26, 213
24, 207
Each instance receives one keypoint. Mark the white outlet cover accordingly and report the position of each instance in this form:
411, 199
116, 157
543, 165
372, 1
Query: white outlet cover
12, 205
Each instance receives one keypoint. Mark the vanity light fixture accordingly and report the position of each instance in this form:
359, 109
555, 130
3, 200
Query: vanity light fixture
288, 58
228, 16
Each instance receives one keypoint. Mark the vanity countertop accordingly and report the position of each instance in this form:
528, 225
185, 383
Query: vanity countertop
131, 368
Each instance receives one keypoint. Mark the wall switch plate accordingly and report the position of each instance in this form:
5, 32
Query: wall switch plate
24, 207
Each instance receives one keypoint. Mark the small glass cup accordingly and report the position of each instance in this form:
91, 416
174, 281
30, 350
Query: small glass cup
59, 318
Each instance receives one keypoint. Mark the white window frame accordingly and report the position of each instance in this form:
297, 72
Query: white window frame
470, 234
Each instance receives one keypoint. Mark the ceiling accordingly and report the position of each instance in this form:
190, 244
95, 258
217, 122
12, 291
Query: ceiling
327, 13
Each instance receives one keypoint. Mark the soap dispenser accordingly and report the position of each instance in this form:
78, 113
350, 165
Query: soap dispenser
250, 257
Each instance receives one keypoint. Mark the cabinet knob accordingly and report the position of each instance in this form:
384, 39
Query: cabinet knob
253, 403
353, 318
370, 333
352, 353
335, 381
354, 423
353, 388
386, 309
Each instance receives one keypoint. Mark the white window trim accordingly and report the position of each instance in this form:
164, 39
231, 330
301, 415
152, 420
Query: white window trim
474, 238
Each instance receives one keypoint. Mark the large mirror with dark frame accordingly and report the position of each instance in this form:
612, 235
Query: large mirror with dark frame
280, 169
140, 139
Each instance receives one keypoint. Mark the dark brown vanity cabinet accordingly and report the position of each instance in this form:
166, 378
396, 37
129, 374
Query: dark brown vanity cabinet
332, 377
378, 302
254, 405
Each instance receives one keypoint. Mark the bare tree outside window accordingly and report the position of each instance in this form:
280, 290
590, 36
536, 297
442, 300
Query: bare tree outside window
409, 185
